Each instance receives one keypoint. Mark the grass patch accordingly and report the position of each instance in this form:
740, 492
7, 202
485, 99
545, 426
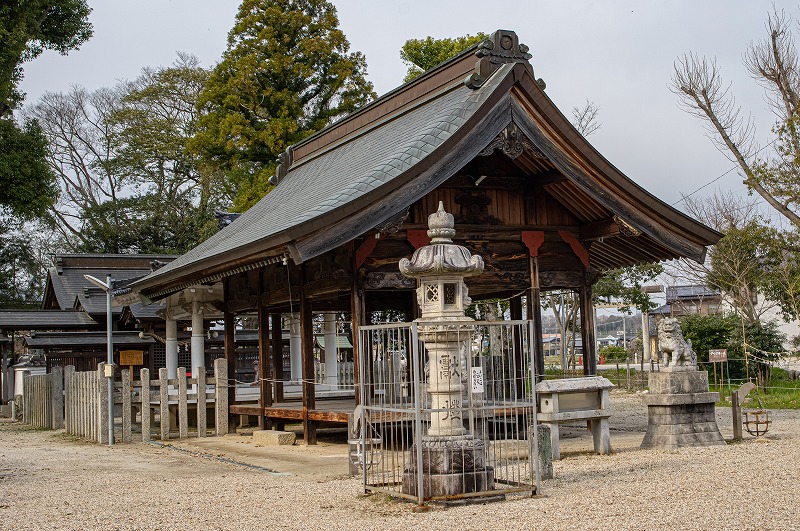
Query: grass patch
782, 392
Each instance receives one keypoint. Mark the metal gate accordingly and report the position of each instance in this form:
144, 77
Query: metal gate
494, 400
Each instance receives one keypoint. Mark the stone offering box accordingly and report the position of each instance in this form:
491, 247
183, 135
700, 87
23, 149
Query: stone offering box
576, 399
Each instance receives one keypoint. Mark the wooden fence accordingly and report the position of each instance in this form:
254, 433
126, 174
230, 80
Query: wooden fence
42, 400
84, 402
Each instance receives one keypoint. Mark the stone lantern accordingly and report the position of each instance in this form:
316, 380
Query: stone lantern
453, 460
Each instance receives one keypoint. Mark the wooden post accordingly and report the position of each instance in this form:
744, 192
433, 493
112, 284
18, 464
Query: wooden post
264, 384
587, 329
144, 376
277, 355
307, 349
230, 362
163, 390
356, 320
535, 314
736, 410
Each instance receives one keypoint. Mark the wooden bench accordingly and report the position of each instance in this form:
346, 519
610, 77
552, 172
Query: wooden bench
575, 399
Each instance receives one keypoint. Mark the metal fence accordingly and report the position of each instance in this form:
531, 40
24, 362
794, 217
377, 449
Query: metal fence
455, 401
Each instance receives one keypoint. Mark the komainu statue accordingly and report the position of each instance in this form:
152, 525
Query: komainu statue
671, 341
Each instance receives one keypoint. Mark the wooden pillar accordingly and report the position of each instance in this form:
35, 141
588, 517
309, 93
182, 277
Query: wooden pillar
277, 355
263, 374
533, 240
230, 356
307, 348
356, 320
535, 314
587, 329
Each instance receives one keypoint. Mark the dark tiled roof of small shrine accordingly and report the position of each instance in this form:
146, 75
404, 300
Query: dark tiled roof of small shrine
68, 289
45, 320
54, 340
366, 168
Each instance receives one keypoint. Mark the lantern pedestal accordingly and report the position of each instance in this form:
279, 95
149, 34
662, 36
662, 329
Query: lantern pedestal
451, 465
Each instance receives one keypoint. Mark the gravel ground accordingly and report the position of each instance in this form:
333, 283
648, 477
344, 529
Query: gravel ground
49, 480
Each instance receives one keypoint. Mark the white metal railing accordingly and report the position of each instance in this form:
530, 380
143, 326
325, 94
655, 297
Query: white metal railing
494, 402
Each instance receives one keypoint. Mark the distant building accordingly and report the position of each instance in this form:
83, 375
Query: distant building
690, 300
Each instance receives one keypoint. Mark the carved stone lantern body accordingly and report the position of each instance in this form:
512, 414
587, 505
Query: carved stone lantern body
453, 460
440, 269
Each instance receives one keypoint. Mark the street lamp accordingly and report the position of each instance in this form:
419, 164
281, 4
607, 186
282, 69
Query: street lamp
107, 287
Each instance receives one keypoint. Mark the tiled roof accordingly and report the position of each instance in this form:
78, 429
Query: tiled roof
84, 339
45, 320
321, 184
72, 290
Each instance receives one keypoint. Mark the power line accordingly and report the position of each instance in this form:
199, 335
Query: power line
685, 197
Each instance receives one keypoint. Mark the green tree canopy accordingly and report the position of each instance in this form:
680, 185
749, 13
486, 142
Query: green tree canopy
287, 72
420, 55
28, 186
29, 27
624, 285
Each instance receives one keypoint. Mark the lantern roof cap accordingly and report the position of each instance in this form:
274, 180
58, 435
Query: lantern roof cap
441, 256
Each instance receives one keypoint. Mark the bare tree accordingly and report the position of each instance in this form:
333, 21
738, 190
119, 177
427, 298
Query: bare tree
735, 265
773, 63
585, 118
78, 127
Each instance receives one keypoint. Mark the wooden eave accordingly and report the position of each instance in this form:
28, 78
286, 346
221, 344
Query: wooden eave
440, 162
611, 184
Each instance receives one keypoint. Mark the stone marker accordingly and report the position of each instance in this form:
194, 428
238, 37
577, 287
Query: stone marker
273, 438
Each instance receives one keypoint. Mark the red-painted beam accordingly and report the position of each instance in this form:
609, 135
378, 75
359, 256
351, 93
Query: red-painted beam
365, 249
579, 250
533, 239
418, 237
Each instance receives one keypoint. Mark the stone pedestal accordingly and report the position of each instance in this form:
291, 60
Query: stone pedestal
450, 465
680, 410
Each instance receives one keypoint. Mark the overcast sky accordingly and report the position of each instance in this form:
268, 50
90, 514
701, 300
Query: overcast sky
618, 54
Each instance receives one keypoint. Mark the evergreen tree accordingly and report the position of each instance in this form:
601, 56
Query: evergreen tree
423, 54
287, 73
27, 187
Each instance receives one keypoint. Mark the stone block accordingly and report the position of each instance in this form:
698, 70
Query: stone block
445, 485
681, 382
680, 399
273, 438
545, 451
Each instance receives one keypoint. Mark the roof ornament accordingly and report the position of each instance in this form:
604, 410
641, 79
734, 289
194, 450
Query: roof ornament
500, 48
513, 142
626, 228
285, 160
